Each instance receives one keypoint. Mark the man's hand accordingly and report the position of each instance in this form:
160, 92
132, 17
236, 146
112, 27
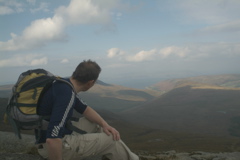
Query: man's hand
110, 130
93, 116
54, 147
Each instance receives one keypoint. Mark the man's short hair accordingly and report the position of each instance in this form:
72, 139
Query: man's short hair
86, 71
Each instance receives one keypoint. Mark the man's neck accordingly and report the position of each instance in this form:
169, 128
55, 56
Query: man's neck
76, 85
81, 87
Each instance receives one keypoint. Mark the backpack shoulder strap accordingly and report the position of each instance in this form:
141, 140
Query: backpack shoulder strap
13, 123
65, 81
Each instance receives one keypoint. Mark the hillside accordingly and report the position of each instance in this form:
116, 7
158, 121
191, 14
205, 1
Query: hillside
198, 113
226, 80
5, 91
120, 92
194, 110
116, 98
143, 138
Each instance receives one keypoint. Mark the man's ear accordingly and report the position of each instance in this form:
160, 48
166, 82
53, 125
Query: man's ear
91, 82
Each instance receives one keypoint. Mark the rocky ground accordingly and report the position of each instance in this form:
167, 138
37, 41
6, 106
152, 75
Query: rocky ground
173, 155
11, 148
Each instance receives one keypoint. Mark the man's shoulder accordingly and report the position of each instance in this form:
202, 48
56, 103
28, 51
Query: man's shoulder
62, 84
61, 89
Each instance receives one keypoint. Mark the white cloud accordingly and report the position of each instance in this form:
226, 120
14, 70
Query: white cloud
5, 10
37, 34
24, 60
10, 6
113, 52
150, 55
42, 31
174, 50
40, 61
189, 52
83, 12
142, 56
65, 60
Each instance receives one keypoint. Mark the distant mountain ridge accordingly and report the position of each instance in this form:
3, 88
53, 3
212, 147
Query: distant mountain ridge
116, 98
122, 92
225, 80
106, 96
102, 83
204, 104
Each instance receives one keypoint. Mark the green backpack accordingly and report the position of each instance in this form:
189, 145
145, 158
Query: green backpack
21, 110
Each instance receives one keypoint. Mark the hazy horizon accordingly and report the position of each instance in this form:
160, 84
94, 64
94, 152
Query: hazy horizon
140, 84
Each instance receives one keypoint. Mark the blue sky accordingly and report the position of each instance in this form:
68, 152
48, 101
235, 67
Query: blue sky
137, 42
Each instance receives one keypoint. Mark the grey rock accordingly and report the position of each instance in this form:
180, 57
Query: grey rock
19, 156
11, 148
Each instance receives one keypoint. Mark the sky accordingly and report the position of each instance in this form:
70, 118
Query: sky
136, 42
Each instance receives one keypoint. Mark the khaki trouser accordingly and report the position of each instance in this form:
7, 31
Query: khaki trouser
95, 142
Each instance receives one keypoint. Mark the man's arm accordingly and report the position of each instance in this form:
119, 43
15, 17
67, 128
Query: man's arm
54, 147
93, 116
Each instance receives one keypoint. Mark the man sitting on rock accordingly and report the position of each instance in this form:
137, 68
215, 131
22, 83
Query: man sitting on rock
58, 142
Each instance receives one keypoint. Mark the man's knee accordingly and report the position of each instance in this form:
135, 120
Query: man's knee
86, 125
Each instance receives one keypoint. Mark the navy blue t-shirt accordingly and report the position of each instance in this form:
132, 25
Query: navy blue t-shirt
58, 102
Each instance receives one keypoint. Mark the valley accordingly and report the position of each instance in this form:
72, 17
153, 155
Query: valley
191, 114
